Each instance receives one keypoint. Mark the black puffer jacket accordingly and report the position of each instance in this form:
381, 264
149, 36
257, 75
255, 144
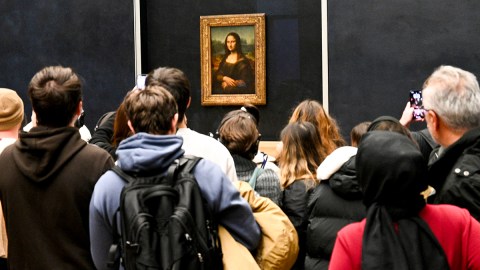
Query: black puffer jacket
335, 203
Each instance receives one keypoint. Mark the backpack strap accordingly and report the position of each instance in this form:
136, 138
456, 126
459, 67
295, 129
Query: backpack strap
122, 174
253, 179
113, 253
264, 160
189, 162
186, 164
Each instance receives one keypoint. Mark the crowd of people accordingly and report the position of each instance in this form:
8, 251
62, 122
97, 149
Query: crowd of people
389, 198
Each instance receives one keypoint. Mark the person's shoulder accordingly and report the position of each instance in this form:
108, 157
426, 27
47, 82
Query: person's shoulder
97, 152
209, 174
191, 137
211, 180
445, 217
106, 194
205, 166
107, 119
268, 174
271, 166
190, 133
7, 153
268, 171
467, 163
243, 61
445, 213
96, 159
335, 161
353, 229
297, 187
109, 183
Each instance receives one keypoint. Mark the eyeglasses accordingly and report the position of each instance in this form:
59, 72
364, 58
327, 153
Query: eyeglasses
426, 110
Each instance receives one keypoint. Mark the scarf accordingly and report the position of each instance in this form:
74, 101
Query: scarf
392, 173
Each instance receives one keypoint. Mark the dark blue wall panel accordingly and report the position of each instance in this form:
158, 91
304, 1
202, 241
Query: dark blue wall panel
93, 37
172, 35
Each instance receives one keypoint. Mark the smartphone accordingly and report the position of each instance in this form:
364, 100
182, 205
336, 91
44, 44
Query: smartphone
141, 81
416, 101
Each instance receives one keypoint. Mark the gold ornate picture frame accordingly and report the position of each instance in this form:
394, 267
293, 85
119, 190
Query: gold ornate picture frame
233, 59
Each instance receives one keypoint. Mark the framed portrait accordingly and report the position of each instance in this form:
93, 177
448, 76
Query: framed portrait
233, 59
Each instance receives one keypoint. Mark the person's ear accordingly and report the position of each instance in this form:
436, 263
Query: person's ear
189, 101
129, 123
433, 119
173, 127
78, 112
34, 118
79, 108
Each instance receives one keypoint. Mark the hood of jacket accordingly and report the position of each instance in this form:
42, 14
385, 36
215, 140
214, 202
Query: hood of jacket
145, 152
44, 151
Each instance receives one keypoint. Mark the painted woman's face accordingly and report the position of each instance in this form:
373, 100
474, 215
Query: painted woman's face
231, 43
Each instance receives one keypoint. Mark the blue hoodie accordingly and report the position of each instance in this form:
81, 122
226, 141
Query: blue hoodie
144, 152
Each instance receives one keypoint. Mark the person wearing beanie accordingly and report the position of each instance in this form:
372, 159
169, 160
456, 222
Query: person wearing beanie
11, 117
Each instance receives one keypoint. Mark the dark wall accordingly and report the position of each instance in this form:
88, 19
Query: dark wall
95, 38
380, 49
293, 60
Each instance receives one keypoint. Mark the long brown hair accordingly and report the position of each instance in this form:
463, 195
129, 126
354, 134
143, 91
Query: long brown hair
312, 111
121, 130
301, 153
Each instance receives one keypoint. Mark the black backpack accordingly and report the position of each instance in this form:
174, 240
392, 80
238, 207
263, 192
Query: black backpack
165, 222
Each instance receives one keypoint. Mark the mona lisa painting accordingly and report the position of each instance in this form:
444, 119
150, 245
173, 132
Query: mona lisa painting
233, 59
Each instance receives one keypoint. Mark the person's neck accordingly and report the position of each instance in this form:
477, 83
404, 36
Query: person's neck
183, 123
451, 136
233, 55
9, 134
